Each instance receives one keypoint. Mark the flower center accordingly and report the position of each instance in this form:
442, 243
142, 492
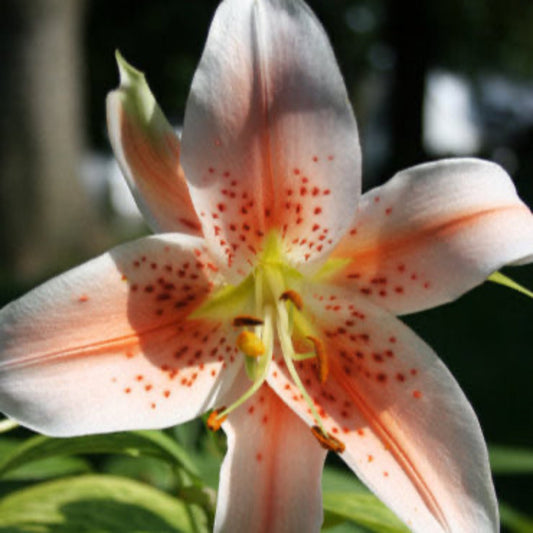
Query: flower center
273, 318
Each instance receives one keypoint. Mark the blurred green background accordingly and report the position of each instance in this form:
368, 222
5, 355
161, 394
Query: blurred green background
427, 80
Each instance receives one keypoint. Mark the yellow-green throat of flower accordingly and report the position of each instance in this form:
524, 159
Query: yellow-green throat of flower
268, 308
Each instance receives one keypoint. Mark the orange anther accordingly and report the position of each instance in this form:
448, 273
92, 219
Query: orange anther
247, 320
327, 441
294, 297
250, 344
214, 421
322, 359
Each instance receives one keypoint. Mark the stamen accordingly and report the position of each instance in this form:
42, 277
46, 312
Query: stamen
250, 344
262, 364
288, 356
322, 358
294, 297
214, 421
328, 441
246, 320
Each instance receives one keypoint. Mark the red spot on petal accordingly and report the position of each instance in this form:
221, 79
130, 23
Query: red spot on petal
417, 394
381, 377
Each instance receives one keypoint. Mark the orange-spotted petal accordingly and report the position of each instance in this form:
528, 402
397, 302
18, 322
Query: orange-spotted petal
409, 433
269, 140
148, 152
108, 346
270, 478
433, 232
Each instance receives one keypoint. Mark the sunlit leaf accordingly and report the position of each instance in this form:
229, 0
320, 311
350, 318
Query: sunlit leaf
338, 480
501, 279
7, 425
133, 443
94, 504
364, 509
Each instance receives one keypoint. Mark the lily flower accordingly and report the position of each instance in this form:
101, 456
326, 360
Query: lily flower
271, 290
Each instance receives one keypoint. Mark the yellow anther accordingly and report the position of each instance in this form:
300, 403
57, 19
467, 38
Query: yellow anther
246, 320
294, 297
250, 344
214, 421
328, 441
322, 359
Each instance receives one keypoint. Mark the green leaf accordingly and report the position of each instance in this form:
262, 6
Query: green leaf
341, 480
365, 510
514, 520
501, 279
95, 504
42, 469
7, 425
132, 443
149, 470
510, 460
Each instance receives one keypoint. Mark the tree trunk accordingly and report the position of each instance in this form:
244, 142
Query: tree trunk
45, 218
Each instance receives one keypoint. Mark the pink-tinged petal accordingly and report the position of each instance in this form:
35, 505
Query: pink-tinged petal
148, 152
433, 232
409, 431
270, 140
270, 478
108, 346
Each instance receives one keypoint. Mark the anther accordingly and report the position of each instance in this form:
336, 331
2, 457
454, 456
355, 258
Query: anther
246, 320
327, 441
294, 297
322, 359
250, 344
214, 421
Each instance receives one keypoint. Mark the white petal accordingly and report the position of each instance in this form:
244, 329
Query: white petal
409, 431
270, 478
108, 346
433, 232
269, 139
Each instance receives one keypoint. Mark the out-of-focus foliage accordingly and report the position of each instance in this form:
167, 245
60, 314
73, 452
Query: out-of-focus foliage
146, 481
